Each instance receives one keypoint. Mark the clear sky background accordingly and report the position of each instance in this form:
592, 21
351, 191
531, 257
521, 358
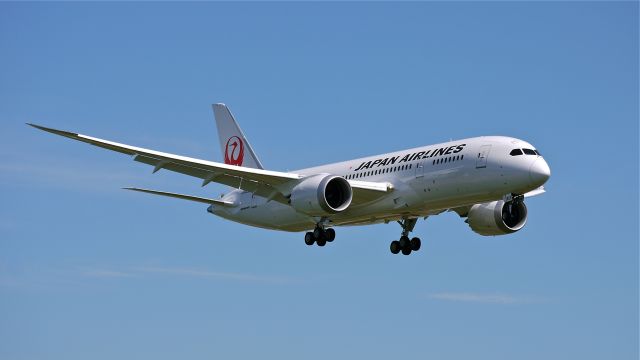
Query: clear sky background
91, 271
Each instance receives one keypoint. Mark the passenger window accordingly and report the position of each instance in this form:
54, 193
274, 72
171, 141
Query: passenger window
515, 152
529, 152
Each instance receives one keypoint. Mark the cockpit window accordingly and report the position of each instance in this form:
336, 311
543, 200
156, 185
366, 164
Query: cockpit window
529, 152
537, 152
515, 152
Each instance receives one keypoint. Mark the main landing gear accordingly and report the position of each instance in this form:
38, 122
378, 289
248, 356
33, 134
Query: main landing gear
319, 236
404, 244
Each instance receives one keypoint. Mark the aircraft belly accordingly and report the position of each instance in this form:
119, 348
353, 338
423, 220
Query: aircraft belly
268, 215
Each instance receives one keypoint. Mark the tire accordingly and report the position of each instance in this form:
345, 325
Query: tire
317, 233
308, 238
321, 242
415, 244
330, 234
406, 251
394, 247
405, 243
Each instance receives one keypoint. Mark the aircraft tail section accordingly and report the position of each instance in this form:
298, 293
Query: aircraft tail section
234, 145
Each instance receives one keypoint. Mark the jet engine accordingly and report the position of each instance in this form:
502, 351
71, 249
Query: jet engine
497, 217
321, 195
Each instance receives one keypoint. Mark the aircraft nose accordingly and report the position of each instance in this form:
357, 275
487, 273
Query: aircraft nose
539, 172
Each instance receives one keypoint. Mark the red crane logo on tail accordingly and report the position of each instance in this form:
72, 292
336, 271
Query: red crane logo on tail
234, 152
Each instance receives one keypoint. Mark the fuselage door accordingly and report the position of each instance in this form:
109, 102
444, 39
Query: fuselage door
420, 169
483, 154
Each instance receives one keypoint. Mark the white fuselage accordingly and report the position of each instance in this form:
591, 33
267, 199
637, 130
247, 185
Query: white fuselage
426, 180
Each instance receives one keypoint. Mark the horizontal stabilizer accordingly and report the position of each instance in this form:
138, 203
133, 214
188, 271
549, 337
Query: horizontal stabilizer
183, 197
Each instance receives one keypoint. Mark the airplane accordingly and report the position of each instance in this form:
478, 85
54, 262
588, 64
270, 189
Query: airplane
483, 179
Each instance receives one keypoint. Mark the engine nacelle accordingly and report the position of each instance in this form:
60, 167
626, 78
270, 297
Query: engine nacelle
497, 217
321, 195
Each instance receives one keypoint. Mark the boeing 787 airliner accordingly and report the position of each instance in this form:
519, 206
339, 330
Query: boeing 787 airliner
483, 179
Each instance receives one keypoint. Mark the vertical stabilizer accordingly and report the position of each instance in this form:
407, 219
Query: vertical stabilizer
234, 145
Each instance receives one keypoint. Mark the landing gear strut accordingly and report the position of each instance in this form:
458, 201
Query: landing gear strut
405, 244
320, 236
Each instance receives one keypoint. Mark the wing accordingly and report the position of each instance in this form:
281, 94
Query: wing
274, 185
535, 192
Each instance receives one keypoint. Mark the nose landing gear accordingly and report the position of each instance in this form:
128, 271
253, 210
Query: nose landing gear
319, 236
404, 244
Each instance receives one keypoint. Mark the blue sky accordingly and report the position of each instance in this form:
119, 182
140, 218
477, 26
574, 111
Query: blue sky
91, 271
